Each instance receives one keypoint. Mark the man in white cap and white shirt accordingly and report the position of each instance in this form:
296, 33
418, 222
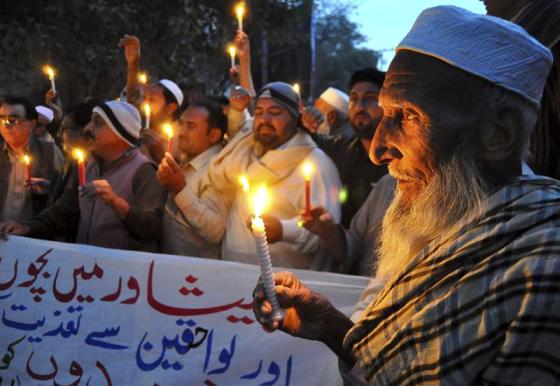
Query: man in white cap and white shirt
333, 106
469, 246
164, 97
121, 205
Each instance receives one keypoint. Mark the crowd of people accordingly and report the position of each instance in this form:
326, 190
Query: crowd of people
424, 178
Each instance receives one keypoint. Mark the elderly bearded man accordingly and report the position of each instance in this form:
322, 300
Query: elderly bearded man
469, 245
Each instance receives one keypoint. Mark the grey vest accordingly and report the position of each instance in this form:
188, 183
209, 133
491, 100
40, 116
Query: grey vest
99, 224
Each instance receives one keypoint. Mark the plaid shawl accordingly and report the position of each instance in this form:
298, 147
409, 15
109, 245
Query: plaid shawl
479, 307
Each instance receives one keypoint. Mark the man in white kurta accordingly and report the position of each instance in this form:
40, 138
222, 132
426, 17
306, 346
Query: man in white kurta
271, 154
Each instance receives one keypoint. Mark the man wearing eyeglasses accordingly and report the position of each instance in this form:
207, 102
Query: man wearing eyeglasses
23, 194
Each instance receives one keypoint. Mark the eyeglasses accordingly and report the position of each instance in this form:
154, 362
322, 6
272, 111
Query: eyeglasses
10, 122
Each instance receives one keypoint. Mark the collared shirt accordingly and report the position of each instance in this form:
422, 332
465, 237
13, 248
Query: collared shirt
179, 237
18, 204
357, 173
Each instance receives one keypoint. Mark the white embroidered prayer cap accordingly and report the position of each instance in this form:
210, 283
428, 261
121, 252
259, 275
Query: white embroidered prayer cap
336, 98
491, 48
45, 113
172, 87
123, 118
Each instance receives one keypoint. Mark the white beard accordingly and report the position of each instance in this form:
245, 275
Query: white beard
456, 191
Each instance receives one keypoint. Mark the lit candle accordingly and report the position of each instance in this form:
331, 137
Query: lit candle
147, 112
240, 11
49, 71
244, 182
260, 200
307, 171
27, 162
296, 88
231, 50
79, 155
168, 130
143, 78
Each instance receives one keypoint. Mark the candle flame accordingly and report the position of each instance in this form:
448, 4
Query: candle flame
260, 201
307, 170
143, 78
232, 50
49, 71
244, 182
296, 87
78, 154
240, 10
26, 159
168, 130
147, 108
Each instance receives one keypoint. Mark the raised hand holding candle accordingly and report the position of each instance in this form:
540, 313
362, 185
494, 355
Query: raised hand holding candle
27, 162
239, 12
168, 130
232, 50
307, 171
49, 71
147, 112
79, 155
260, 201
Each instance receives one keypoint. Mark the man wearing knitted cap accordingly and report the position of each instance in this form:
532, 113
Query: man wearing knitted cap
272, 154
469, 246
164, 97
121, 204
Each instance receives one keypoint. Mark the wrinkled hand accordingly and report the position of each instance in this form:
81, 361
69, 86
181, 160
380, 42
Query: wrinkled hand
131, 45
307, 314
170, 175
311, 118
239, 99
272, 227
13, 228
155, 143
39, 186
242, 45
99, 189
319, 221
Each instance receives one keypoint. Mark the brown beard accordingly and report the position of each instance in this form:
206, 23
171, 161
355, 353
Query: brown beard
457, 190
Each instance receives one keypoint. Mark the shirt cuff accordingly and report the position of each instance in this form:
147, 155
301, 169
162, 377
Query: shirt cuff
290, 230
185, 198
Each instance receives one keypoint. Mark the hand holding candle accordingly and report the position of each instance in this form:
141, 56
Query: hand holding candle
307, 171
239, 12
49, 71
260, 201
168, 130
79, 155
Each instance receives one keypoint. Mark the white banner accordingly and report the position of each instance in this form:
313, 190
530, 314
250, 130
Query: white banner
81, 315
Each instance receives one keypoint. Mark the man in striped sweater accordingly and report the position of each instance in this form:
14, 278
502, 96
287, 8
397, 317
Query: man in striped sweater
470, 248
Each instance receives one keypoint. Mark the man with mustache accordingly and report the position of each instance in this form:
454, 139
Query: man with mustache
121, 204
272, 154
350, 152
541, 18
469, 246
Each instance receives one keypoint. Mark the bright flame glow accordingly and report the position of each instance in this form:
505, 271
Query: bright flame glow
231, 50
240, 10
307, 170
143, 78
244, 182
49, 71
260, 201
296, 87
26, 159
147, 108
79, 155
168, 130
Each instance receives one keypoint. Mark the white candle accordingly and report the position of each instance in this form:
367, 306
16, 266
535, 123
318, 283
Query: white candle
240, 11
147, 112
263, 253
232, 55
50, 73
